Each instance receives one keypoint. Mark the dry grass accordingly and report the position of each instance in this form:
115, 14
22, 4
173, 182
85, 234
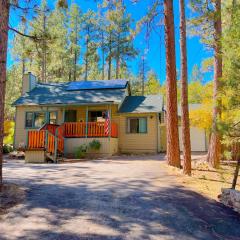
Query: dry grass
10, 196
206, 180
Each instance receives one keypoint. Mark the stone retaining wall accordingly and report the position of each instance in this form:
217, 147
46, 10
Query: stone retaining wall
230, 198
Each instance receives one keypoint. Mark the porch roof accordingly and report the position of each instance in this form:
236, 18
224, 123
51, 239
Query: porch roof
142, 104
57, 93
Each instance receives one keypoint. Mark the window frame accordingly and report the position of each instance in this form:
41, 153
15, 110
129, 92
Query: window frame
69, 110
128, 125
33, 119
48, 117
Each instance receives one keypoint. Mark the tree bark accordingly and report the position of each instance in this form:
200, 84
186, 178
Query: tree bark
143, 75
173, 154
118, 58
87, 54
214, 151
236, 157
75, 51
103, 56
110, 57
184, 94
44, 53
4, 18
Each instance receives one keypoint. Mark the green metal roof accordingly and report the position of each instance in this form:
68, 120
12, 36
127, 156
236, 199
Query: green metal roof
56, 93
142, 104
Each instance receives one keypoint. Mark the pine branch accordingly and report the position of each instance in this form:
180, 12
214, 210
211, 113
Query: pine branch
23, 34
22, 8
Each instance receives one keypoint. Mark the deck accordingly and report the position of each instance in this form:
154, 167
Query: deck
51, 137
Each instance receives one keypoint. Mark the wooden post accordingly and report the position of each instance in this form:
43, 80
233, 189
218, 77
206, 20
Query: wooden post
46, 140
27, 138
63, 116
110, 122
86, 122
56, 145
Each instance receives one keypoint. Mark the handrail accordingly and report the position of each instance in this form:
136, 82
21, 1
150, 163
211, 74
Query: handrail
94, 129
51, 137
36, 139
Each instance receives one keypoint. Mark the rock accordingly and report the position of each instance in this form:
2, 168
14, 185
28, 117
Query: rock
230, 198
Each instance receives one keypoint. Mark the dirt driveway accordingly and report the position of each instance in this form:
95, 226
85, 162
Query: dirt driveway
111, 199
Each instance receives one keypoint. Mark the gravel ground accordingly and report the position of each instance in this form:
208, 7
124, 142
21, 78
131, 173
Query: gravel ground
122, 198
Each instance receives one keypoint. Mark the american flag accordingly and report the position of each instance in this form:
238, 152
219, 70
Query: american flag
107, 124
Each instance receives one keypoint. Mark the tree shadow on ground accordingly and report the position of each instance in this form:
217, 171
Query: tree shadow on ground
131, 209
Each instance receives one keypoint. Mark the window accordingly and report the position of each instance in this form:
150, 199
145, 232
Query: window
94, 116
29, 120
39, 119
137, 125
53, 117
70, 116
35, 119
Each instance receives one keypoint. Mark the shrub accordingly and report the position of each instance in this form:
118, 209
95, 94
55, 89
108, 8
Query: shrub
8, 132
80, 152
95, 145
7, 148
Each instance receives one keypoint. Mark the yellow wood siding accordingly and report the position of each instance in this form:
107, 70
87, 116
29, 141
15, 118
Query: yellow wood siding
162, 138
20, 130
138, 142
81, 110
35, 156
109, 146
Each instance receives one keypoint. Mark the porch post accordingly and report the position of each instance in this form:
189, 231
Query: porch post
55, 145
86, 122
63, 115
27, 138
110, 121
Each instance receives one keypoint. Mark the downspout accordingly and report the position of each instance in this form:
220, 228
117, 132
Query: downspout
158, 132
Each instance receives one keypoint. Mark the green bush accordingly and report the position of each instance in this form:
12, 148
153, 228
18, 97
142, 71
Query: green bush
7, 148
95, 145
80, 152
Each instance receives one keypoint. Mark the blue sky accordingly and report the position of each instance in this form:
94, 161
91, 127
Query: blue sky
155, 57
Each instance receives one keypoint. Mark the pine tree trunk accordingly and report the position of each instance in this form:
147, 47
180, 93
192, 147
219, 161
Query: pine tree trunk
23, 57
110, 57
44, 53
117, 67
214, 151
143, 75
70, 68
86, 55
118, 58
173, 154
236, 157
184, 93
75, 52
103, 57
4, 18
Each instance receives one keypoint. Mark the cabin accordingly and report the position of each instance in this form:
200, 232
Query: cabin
54, 119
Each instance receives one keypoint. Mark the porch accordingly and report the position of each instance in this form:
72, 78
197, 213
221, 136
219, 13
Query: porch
61, 140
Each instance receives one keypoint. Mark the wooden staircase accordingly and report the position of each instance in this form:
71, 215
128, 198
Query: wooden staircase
50, 138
